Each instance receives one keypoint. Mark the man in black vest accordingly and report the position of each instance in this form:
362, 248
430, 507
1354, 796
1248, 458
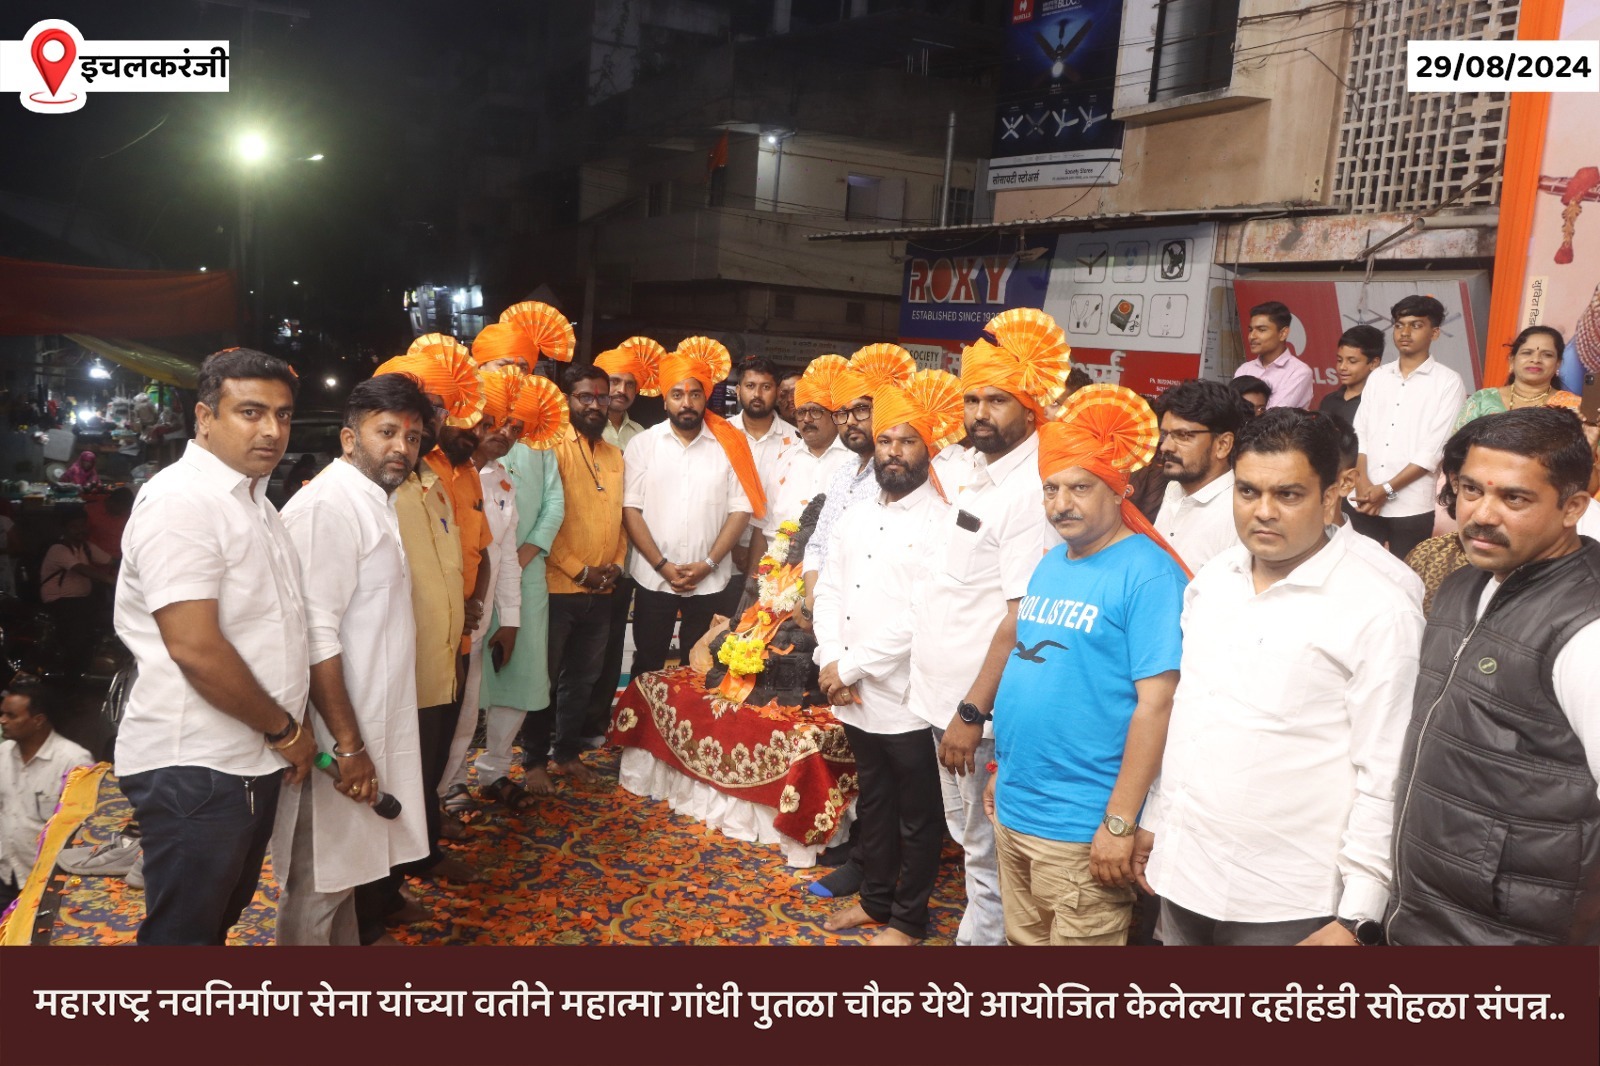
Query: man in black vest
1497, 835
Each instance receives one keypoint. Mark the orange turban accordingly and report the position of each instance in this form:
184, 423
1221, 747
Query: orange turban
709, 362
1031, 359
1110, 432
525, 331
639, 356
816, 385
440, 364
542, 410
930, 403
500, 388
871, 369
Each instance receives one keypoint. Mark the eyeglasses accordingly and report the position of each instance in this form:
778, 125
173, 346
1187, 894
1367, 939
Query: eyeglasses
1182, 436
861, 412
589, 399
810, 414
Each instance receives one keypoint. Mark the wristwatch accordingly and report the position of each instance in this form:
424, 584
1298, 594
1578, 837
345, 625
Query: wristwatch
1367, 933
970, 714
708, 562
1119, 826
1388, 490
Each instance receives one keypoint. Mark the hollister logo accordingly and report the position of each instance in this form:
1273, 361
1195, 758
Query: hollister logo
962, 280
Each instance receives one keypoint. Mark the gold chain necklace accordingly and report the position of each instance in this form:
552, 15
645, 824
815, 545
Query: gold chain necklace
1520, 400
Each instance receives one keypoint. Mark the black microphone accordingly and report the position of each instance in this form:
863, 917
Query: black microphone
386, 807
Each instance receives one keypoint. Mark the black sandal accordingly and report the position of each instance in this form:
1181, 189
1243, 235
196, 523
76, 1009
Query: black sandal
506, 791
458, 800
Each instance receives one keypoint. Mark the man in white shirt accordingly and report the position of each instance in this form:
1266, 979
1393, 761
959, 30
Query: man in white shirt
1271, 819
1497, 834
803, 472
691, 486
1369, 549
863, 628
329, 840
500, 624
991, 539
1288, 378
1199, 420
1408, 410
850, 395
769, 437
34, 760
209, 603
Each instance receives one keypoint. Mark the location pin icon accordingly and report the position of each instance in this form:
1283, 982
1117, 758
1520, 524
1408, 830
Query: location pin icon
54, 72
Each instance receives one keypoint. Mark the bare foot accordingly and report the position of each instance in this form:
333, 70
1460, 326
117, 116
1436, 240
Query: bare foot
890, 937
537, 781
579, 773
849, 918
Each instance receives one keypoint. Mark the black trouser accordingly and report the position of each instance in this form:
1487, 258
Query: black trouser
580, 625
901, 813
598, 716
1399, 535
653, 615
436, 727
204, 835
376, 900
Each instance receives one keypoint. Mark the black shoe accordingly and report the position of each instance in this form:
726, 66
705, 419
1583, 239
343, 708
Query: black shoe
844, 881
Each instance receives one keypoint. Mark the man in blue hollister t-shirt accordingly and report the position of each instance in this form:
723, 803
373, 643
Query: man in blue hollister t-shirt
1081, 715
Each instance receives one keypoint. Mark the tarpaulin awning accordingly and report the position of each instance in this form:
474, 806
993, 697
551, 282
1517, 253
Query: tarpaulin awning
43, 298
165, 367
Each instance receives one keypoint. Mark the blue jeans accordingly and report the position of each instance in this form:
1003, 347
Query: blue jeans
204, 834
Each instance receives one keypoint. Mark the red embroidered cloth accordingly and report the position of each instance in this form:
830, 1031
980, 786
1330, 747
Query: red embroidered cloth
793, 759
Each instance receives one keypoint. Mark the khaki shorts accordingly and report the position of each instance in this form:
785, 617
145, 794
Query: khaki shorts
1049, 897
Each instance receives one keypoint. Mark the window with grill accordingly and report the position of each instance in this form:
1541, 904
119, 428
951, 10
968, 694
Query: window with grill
1401, 151
1193, 51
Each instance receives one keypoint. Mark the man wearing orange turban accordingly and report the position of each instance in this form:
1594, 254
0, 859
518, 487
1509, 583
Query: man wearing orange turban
804, 470
992, 538
691, 487
863, 630
1099, 620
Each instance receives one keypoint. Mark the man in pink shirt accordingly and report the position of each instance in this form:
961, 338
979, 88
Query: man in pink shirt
1268, 338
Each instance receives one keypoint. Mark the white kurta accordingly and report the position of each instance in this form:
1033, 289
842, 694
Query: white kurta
358, 606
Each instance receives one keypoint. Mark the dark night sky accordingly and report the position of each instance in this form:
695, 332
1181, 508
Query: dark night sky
336, 83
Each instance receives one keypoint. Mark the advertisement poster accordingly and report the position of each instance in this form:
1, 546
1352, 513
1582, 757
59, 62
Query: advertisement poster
1134, 302
1552, 193
1324, 309
948, 296
1053, 125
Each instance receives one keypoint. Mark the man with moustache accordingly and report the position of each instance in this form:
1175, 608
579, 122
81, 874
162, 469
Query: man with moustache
803, 472
583, 568
990, 541
863, 629
851, 389
633, 368
329, 840
691, 488
1199, 420
520, 683
1271, 821
209, 603
1497, 839
1408, 410
786, 400
1081, 714
1287, 378
769, 437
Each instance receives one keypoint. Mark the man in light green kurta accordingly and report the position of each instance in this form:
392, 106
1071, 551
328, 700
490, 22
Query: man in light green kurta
522, 683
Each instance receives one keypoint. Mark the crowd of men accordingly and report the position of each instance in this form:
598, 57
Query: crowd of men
1232, 707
